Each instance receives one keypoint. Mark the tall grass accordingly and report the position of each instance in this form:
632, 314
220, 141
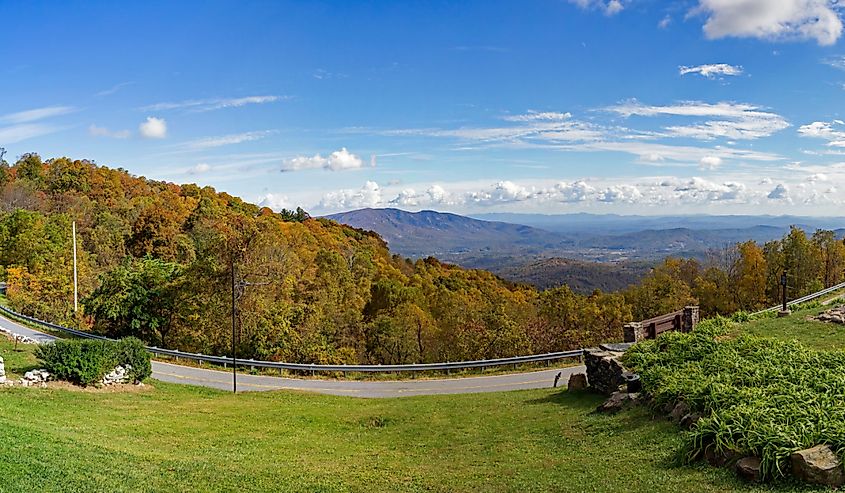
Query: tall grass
757, 396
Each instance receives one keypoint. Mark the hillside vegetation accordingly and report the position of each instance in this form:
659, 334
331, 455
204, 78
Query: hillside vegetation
156, 262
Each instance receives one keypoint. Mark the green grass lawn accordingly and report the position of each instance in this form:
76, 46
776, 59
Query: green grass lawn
817, 335
179, 438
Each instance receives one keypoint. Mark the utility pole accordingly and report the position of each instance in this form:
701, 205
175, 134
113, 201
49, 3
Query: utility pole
784, 311
75, 277
234, 324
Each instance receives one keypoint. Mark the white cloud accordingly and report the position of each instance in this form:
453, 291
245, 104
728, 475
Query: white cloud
772, 19
609, 7
733, 192
18, 133
36, 114
337, 161
534, 116
664, 22
274, 201
780, 192
825, 130
223, 140
200, 105
735, 120
367, 196
711, 71
710, 162
199, 169
96, 131
153, 128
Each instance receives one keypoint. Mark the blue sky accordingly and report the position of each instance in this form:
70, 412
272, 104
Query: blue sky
623, 106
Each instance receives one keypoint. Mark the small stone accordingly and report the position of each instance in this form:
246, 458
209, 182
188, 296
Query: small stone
749, 468
680, 410
689, 420
577, 381
720, 458
618, 401
818, 465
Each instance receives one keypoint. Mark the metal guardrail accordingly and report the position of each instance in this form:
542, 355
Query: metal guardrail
222, 360
805, 298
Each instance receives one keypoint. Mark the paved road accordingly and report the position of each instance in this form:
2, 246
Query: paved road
167, 372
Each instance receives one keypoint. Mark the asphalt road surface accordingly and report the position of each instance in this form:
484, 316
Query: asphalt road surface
203, 377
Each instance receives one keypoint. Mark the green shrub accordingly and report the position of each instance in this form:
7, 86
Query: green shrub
757, 396
82, 361
741, 317
131, 354
87, 361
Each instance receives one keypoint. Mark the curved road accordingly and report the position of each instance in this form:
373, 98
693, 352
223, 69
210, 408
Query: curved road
167, 372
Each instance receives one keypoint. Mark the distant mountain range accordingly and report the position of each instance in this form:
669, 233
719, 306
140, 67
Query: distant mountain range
585, 251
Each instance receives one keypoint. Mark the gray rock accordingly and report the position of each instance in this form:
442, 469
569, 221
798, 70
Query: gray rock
720, 458
680, 410
617, 402
577, 381
749, 468
689, 420
818, 465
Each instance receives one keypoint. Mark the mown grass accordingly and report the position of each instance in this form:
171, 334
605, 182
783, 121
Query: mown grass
799, 326
179, 438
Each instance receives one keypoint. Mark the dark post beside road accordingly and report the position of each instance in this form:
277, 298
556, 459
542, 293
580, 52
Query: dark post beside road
234, 323
784, 311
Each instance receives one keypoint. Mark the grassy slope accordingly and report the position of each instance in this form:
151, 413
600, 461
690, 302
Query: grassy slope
817, 335
178, 438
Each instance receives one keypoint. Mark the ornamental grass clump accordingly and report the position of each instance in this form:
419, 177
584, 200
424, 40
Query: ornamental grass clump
756, 396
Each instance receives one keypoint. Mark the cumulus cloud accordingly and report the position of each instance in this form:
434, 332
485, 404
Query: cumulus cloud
736, 192
96, 131
201, 105
780, 192
711, 71
337, 161
153, 128
731, 120
710, 162
367, 196
274, 201
772, 19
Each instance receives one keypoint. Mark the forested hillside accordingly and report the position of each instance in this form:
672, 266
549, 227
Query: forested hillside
156, 258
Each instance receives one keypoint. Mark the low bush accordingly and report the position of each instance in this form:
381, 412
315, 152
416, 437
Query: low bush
757, 396
87, 361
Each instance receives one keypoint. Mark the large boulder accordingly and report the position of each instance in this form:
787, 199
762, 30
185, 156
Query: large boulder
577, 381
604, 370
749, 468
818, 465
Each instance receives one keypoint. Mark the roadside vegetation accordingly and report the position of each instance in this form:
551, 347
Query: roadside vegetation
760, 397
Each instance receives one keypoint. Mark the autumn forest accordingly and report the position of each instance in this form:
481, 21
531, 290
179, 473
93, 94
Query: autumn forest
156, 260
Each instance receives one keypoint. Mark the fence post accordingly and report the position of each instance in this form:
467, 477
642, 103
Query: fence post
690, 319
